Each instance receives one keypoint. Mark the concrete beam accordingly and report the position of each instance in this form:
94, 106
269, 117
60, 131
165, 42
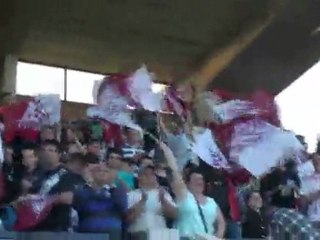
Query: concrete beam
220, 59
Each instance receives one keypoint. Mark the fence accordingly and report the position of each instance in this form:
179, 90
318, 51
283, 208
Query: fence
53, 236
286, 224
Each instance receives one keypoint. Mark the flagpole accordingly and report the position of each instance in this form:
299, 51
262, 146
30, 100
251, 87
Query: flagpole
159, 126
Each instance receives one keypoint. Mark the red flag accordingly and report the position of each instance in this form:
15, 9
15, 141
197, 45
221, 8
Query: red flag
175, 104
12, 114
32, 210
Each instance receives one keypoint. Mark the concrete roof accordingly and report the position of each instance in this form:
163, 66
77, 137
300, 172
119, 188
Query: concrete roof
174, 37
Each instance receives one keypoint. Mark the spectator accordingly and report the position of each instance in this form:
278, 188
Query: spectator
101, 206
8, 157
179, 140
9, 170
149, 206
21, 177
92, 161
47, 133
198, 215
287, 224
114, 158
255, 223
8, 161
31, 171
310, 191
283, 186
188, 168
77, 164
133, 148
74, 147
222, 190
146, 161
133, 138
123, 168
125, 173
161, 172
94, 146
67, 136
57, 179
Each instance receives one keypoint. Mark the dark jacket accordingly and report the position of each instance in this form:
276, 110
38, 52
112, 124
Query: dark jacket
59, 217
254, 225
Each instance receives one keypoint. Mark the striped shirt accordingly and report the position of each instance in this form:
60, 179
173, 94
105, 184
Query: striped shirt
131, 151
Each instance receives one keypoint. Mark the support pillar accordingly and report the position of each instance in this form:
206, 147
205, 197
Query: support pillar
8, 73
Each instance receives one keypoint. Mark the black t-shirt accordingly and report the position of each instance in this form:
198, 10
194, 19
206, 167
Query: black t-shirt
59, 217
218, 190
272, 182
11, 175
255, 225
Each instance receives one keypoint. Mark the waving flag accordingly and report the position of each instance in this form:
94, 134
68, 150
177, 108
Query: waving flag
174, 103
25, 118
140, 88
42, 110
207, 150
259, 146
112, 102
32, 210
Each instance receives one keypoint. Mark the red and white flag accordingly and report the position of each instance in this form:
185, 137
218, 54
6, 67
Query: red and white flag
32, 210
25, 118
140, 87
259, 146
207, 150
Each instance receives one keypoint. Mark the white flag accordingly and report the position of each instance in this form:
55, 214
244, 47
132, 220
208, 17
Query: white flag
206, 148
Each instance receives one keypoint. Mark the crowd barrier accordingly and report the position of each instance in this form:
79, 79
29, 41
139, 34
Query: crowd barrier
286, 224
167, 234
53, 236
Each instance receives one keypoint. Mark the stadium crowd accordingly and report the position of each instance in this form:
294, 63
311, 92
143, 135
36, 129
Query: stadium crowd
180, 163
129, 190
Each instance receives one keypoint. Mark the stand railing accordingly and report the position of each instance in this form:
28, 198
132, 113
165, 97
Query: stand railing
286, 224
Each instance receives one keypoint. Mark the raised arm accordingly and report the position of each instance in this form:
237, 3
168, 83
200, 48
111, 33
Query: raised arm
178, 186
163, 127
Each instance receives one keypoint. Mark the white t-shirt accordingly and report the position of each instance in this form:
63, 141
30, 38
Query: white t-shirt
152, 217
311, 184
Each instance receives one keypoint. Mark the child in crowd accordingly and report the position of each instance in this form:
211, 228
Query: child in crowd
255, 223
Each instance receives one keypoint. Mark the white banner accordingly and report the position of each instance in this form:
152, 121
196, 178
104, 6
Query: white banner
207, 150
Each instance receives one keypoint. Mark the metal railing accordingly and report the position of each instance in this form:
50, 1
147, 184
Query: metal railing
286, 224
52, 236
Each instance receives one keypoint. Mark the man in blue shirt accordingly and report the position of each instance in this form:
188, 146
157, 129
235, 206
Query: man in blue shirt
101, 206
